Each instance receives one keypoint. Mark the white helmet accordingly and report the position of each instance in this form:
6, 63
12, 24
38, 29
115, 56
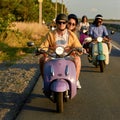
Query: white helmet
99, 17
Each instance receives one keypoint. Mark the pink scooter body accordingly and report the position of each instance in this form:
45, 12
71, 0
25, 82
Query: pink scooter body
60, 76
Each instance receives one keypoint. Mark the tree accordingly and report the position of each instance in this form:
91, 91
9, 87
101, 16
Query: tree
25, 10
28, 10
48, 10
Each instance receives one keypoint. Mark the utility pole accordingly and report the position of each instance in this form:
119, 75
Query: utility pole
56, 9
62, 7
65, 10
40, 11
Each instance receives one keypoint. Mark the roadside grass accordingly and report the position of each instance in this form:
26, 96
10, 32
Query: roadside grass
13, 42
11, 54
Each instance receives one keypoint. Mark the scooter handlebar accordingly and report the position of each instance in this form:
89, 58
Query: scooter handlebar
42, 51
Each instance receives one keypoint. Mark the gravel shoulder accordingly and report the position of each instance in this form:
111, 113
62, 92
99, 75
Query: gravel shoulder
16, 83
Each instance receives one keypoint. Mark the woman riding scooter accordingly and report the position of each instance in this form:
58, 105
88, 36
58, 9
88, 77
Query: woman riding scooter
72, 26
68, 37
97, 29
99, 48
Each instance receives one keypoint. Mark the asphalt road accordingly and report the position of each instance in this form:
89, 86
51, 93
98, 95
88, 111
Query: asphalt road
98, 99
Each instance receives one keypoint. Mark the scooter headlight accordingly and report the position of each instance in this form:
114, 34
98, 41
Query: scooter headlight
88, 39
99, 39
59, 50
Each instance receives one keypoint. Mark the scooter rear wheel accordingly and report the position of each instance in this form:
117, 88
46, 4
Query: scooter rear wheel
102, 65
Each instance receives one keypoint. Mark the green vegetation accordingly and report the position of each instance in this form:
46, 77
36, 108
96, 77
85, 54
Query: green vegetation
8, 53
114, 27
14, 36
28, 10
13, 42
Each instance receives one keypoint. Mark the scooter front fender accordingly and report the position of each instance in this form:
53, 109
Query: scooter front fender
59, 85
101, 57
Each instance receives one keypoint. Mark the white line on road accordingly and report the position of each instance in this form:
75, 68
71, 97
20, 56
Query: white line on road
115, 47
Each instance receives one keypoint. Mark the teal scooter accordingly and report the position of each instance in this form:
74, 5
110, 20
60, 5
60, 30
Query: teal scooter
99, 53
99, 50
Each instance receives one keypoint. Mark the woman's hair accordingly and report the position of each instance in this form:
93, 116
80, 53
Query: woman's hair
83, 18
73, 16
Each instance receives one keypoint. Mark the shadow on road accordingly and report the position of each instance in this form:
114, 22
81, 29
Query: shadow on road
90, 69
38, 98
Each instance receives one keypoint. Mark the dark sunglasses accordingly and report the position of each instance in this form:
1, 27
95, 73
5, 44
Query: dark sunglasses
99, 21
73, 24
59, 22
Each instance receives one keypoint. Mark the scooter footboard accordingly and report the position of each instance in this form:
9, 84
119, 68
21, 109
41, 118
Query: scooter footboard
59, 85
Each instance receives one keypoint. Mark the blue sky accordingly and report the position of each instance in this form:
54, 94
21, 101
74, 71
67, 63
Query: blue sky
110, 9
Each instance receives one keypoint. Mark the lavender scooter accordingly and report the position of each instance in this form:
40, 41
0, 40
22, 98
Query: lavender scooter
59, 76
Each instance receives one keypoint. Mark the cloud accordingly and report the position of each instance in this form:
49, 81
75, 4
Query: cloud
94, 10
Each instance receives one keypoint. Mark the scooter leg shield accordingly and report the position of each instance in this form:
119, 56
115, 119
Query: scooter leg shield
106, 53
59, 85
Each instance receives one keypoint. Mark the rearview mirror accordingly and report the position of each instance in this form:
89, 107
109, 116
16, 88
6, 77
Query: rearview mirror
112, 32
30, 44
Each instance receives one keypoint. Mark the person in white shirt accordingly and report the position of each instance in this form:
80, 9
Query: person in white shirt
84, 23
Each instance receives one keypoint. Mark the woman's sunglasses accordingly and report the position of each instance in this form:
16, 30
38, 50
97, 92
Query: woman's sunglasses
99, 21
59, 22
73, 24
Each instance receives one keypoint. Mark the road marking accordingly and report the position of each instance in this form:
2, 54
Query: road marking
116, 47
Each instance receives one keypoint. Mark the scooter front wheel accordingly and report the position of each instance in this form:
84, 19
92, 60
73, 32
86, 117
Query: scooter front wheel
59, 102
102, 65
